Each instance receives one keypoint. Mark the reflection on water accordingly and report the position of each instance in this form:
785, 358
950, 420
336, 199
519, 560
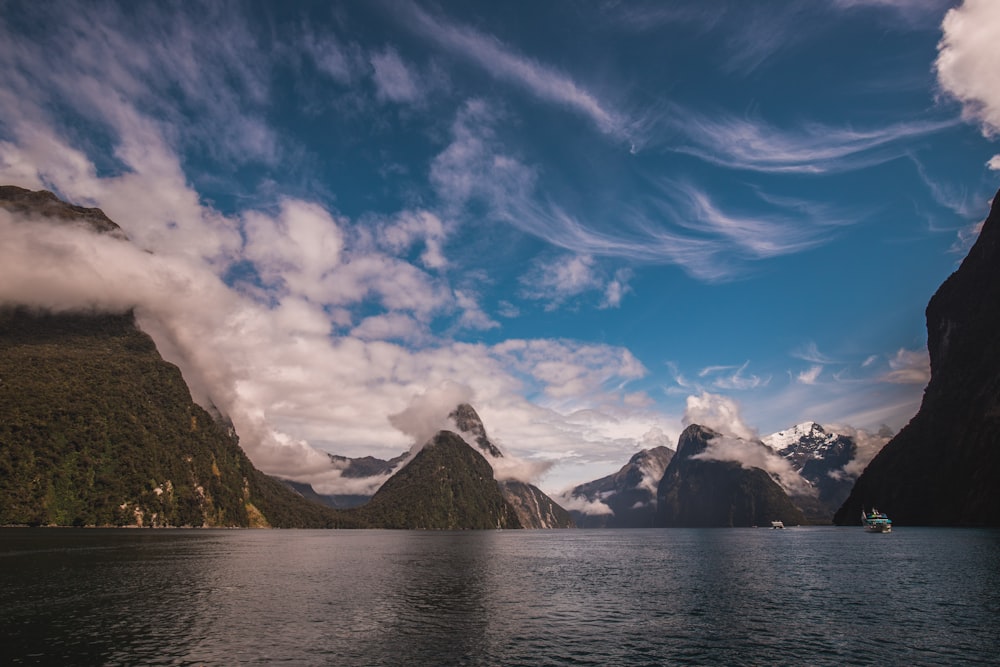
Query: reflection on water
809, 595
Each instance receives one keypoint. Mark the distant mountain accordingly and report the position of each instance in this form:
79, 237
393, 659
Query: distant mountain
695, 492
819, 456
625, 499
943, 468
534, 508
447, 486
351, 468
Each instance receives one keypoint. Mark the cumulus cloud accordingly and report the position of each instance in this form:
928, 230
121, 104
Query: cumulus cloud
580, 504
719, 413
868, 445
968, 63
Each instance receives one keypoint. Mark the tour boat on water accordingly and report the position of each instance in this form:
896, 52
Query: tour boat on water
876, 522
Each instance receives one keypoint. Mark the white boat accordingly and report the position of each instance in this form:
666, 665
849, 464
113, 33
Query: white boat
777, 524
876, 522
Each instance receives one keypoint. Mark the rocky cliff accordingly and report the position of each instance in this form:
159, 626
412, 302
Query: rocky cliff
943, 468
627, 498
696, 492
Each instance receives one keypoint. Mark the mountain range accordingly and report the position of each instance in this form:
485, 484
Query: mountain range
97, 429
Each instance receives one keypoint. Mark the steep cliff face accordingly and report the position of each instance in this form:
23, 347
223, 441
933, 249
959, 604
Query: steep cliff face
696, 492
96, 429
627, 498
943, 468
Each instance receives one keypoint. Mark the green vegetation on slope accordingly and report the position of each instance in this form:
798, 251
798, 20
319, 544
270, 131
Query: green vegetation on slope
96, 429
447, 486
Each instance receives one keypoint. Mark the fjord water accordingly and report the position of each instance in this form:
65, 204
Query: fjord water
818, 595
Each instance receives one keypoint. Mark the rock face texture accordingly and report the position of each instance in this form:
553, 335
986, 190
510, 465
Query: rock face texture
627, 498
943, 468
706, 493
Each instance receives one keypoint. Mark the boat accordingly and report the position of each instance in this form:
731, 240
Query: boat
777, 524
876, 522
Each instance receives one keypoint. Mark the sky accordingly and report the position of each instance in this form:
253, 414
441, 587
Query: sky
595, 222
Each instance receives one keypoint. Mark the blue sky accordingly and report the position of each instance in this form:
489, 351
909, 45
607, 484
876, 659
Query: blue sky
595, 221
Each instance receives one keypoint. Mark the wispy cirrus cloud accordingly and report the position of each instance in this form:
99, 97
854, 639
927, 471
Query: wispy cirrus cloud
504, 63
810, 148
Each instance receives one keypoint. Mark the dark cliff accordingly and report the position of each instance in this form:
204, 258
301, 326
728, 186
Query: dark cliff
696, 492
629, 494
943, 468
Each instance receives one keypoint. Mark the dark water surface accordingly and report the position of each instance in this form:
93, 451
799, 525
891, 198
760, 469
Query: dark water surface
817, 596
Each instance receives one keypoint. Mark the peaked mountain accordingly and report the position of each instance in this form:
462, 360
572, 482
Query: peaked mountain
447, 486
533, 507
97, 429
819, 456
943, 468
628, 495
696, 492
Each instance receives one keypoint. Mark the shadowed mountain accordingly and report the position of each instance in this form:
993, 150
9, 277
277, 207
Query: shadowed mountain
447, 486
627, 498
943, 468
696, 492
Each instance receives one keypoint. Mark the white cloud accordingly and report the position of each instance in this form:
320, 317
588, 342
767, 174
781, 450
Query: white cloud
394, 80
732, 377
753, 454
968, 63
909, 367
501, 62
719, 413
810, 375
812, 148
994, 163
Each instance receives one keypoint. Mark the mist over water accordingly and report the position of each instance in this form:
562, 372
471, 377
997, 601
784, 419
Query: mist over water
678, 596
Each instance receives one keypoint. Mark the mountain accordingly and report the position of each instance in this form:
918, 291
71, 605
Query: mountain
943, 468
44, 204
627, 498
447, 486
534, 508
695, 492
361, 468
819, 456
97, 429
